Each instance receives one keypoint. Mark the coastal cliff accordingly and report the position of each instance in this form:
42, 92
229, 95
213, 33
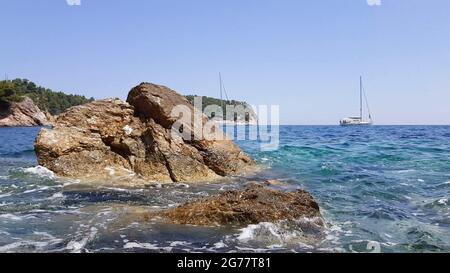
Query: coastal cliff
25, 104
25, 114
133, 141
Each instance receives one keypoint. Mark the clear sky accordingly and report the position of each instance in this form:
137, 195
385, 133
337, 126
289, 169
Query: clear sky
304, 55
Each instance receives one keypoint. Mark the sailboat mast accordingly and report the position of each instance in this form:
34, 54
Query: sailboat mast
221, 93
360, 98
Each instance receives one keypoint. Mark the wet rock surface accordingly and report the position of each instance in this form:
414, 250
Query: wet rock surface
252, 205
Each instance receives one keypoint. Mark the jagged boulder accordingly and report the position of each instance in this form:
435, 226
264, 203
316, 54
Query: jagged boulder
112, 138
220, 154
25, 114
252, 205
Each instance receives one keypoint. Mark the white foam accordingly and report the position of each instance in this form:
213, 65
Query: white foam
57, 195
16, 245
44, 234
146, 246
5, 195
280, 233
72, 182
274, 246
220, 244
179, 243
251, 250
40, 171
11, 217
247, 233
140, 245
77, 246
4, 233
443, 201
405, 171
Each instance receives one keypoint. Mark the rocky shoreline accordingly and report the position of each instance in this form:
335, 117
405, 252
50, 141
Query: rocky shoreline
131, 144
26, 114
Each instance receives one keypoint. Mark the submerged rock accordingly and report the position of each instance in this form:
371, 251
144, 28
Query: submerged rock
255, 204
110, 138
25, 114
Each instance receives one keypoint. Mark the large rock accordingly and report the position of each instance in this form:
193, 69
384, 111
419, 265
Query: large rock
255, 204
220, 154
112, 138
25, 114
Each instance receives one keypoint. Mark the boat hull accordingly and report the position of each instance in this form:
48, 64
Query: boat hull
356, 124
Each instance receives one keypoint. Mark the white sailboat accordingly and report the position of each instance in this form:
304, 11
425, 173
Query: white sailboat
355, 121
248, 117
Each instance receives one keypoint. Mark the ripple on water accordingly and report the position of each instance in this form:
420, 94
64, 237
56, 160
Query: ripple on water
379, 184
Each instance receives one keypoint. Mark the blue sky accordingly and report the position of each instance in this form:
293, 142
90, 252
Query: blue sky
305, 56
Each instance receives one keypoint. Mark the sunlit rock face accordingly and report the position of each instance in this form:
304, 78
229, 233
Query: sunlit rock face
25, 114
133, 141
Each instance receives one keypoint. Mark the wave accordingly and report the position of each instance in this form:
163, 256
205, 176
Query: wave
304, 233
40, 171
10, 217
134, 245
78, 246
43, 242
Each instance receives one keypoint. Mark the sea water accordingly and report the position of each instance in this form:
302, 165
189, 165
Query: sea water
380, 188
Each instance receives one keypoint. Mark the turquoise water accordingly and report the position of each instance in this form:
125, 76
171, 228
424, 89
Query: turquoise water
383, 187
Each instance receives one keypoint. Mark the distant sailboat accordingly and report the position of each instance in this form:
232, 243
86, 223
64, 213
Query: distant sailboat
248, 117
354, 121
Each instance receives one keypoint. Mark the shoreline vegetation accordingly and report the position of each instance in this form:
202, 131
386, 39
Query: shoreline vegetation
23, 103
45, 105
53, 102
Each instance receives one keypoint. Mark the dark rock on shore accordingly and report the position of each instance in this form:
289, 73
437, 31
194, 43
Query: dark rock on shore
255, 204
108, 139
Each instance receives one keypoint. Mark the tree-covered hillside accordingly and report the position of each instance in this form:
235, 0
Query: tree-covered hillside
206, 101
46, 99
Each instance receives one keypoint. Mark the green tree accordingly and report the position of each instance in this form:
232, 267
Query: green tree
45, 99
